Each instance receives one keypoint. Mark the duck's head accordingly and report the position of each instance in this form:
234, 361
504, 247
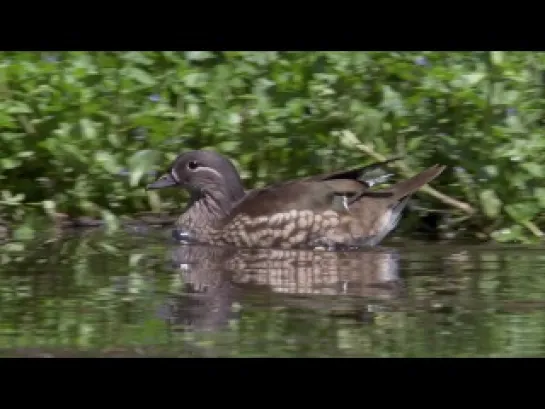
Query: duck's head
202, 172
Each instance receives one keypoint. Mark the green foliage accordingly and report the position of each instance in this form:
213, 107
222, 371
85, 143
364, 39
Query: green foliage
82, 133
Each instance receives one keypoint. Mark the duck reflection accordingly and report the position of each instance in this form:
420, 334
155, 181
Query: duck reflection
219, 281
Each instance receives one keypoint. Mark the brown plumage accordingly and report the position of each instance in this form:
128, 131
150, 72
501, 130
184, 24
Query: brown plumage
329, 209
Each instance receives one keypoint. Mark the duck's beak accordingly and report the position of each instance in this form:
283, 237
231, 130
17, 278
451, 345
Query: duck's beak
164, 181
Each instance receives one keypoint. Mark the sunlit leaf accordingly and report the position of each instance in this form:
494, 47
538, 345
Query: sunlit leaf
108, 248
14, 246
11, 199
23, 233
112, 222
88, 128
497, 57
10, 163
534, 169
490, 203
474, 78
154, 200
198, 55
140, 76
25, 154
107, 161
7, 121
134, 259
508, 234
521, 211
17, 107
49, 207
540, 194
140, 163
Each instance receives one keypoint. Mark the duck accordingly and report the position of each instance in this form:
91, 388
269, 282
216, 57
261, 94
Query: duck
332, 210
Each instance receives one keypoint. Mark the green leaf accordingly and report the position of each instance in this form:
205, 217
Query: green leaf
108, 248
107, 161
474, 78
114, 140
154, 201
540, 194
112, 222
509, 234
198, 55
348, 139
195, 80
490, 203
8, 163
140, 76
49, 207
137, 57
497, 57
534, 169
134, 259
140, 163
522, 211
25, 154
8, 198
7, 121
88, 128
14, 246
414, 143
17, 107
24, 233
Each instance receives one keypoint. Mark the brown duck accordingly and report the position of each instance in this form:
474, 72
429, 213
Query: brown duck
331, 209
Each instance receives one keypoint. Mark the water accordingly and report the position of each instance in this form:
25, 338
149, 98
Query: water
131, 294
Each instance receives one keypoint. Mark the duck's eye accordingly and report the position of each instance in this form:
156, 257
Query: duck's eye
192, 165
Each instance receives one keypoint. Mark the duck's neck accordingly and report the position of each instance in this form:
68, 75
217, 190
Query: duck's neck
207, 207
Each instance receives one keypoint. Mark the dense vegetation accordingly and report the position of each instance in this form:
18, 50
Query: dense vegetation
81, 133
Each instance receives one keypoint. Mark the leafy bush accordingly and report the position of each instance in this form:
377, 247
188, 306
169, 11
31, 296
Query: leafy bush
81, 133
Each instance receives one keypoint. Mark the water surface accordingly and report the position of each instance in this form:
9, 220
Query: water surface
131, 294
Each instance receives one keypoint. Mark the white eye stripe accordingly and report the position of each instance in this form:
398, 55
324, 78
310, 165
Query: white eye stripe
174, 176
207, 169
